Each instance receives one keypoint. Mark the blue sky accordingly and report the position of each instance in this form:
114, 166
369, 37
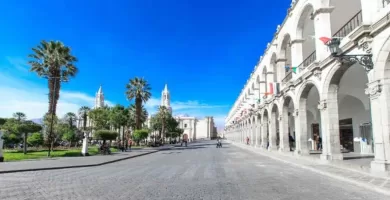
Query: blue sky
204, 50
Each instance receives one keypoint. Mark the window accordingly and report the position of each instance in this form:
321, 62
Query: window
185, 125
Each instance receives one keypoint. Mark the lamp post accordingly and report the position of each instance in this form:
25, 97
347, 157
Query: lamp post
363, 59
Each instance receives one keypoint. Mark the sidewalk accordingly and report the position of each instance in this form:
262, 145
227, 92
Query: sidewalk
359, 178
74, 162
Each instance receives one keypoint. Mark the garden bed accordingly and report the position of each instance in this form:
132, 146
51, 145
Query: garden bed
15, 155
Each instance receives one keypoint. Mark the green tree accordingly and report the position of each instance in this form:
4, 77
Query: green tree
119, 117
11, 126
11, 139
50, 122
19, 116
100, 118
2, 121
53, 60
105, 135
83, 112
36, 139
138, 90
139, 135
69, 136
70, 118
163, 115
26, 128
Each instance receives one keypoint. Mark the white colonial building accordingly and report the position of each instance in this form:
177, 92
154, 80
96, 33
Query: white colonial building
194, 128
298, 87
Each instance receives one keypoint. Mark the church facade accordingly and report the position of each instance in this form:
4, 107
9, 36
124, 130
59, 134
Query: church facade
99, 103
193, 127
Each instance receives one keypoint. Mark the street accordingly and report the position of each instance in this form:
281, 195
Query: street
200, 171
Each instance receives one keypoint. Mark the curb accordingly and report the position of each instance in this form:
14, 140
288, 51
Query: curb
354, 182
78, 166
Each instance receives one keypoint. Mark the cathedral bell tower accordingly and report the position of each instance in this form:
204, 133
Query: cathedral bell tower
166, 99
99, 99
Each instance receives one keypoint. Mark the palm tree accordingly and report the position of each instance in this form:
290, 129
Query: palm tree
133, 111
70, 118
162, 115
19, 116
54, 61
139, 90
83, 112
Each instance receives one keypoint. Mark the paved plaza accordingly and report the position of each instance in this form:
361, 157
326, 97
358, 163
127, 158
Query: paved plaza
199, 171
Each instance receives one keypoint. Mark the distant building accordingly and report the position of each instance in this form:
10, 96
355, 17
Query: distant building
193, 127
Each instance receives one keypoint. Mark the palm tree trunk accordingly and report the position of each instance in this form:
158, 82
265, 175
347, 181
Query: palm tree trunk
162, 132
25, 144
138, 110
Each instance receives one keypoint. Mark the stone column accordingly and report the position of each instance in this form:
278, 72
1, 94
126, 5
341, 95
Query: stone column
283, 132
304, 147
272, 133
322, 28
256, 135
253, 135
380, 116
330, 126
297, 126
296, 53
281, 66
264, 129
1, 147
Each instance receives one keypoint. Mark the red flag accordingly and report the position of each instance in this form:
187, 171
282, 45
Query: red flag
271, 89
325, 39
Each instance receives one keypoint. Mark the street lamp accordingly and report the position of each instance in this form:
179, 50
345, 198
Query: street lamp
363, 59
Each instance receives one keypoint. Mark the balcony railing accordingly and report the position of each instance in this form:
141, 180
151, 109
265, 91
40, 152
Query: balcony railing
385, 3
353, 23
288, 77
308, 61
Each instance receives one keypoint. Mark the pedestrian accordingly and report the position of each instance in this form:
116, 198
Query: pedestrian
130, 142
290, 141
319, 148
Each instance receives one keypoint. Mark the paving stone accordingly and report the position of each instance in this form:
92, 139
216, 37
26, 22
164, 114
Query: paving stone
203, 173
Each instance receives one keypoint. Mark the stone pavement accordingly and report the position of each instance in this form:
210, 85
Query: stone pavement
360, 178
74, 162
200, 171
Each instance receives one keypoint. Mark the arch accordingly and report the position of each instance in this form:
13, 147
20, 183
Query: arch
264, 112
305, 48
283, 44
381, 58
284, 54
304, 107
302, 15
306, 87
287, 126
335, 86
273, 67
289, 96
334, 76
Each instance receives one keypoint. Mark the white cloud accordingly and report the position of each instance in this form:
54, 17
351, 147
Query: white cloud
20, 95
34, 102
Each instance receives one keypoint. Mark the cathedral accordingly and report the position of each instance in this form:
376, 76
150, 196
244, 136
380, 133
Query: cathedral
194, 128
99, 102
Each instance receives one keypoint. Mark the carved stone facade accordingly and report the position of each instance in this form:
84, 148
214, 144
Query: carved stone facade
322, 71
